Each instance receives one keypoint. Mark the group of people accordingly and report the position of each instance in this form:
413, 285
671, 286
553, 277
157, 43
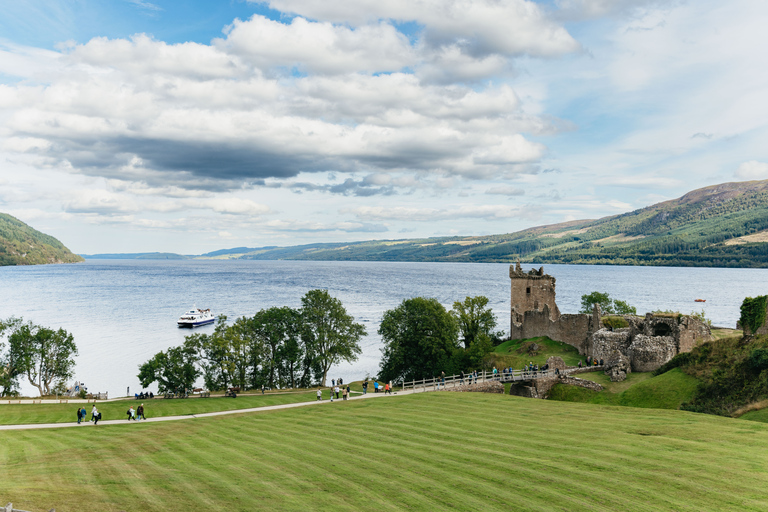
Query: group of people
82, 413
133, 414
143, 395
339, 391
591, 361
344, 392
136, 415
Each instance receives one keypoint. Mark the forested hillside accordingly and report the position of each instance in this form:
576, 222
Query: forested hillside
22, 245
723, 225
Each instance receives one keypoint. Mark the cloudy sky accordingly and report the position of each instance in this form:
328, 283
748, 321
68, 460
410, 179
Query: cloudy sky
190, 126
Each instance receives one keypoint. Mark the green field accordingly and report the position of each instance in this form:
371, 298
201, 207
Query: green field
431, 451
666, 391
513, 352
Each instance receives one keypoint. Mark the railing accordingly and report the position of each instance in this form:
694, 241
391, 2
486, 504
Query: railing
452, 381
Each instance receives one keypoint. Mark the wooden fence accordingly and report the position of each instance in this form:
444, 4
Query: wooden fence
437, 383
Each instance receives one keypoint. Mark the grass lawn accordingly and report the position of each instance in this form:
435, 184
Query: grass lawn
667, 391
512, 352
15, 414
431, 451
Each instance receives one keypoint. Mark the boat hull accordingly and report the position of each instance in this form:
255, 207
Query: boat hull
197, 323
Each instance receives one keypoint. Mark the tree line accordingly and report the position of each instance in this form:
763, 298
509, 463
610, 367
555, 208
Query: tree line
294, 348
277, 347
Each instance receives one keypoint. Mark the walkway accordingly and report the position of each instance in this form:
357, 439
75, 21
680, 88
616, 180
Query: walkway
32, 426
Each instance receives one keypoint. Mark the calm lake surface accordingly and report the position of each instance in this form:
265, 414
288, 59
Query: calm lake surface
122, 312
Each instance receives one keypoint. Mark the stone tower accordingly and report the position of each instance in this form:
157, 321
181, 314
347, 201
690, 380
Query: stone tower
531, 291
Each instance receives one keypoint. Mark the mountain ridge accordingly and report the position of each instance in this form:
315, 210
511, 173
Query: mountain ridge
723, 225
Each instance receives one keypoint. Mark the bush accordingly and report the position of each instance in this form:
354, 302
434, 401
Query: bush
758, 359
753, 312
615, 322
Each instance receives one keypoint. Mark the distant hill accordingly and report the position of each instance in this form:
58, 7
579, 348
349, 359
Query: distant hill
22, 245
721, 226
136, 256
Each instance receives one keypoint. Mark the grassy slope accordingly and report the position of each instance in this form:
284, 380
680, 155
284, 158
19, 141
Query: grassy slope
512, 353
436, 451
66, 413
667, 391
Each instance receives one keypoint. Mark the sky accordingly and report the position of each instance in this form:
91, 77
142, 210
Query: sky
140, 126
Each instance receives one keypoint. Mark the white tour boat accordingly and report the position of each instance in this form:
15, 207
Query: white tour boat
196, 317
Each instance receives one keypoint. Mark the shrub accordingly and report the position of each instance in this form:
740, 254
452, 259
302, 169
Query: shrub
753, 312
615, 322
758, 359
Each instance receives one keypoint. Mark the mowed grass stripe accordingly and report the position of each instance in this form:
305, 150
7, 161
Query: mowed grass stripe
429, 452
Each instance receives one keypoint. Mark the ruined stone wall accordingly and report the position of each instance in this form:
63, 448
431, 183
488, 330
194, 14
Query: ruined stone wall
692, 332
571, 329
582, 383
493, 386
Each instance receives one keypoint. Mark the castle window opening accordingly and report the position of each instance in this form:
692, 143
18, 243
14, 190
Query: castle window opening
662, 330
528, 290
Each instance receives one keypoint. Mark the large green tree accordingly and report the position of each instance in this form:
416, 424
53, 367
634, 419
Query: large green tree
330, 334
174, 369
277, 330
607, 305
474, 318
44, 355
420, 338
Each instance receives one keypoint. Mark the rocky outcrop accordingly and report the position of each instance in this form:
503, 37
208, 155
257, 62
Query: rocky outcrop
617, 366
647, 353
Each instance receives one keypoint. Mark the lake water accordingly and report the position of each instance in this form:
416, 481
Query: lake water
122, 312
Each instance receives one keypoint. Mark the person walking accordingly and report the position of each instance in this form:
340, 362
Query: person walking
96, 415
375, 386
79, 414
140, 412
336, 389
262, 389
390, 387
331, 390
131, 413
319, 395
349, 391
344, 394
386, 388
461, 377
365, 387
94, 412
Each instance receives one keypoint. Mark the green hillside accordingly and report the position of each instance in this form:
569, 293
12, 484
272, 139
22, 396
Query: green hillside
22, 245
723, 225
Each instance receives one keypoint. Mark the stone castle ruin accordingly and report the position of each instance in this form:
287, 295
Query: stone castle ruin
645, 345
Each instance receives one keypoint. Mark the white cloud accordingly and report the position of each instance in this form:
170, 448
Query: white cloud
482, 27
752, 170
318, 47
